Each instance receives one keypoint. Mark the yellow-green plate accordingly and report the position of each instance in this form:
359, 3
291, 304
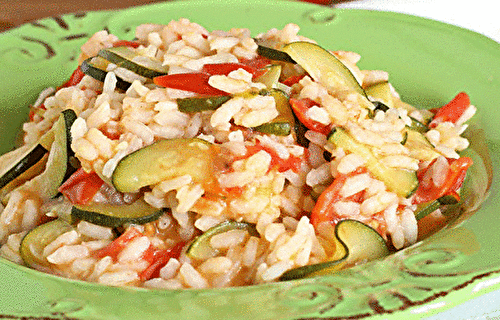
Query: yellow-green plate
429, 62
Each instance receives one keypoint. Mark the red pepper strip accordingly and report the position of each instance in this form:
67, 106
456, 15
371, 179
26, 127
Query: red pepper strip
158, 259
75, 78
280, 164
300, 108
452, 111
81, 186
114, 248
126, 43
323, 209
194, 82
290, 81
454, 179
226, 68
257, 63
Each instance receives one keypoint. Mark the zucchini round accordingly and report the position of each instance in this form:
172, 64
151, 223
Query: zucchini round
323, 66
283, 124
35, 241
354, 242
400, 181
114, 215
200, 248
201, 104
128, 58
96, 68
163, 160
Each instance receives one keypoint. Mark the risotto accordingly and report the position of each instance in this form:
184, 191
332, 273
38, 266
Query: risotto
188, 158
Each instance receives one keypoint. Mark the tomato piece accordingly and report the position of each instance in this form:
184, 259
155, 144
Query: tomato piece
81, 186
452, 111
281, 165
158, 259
290, 81
194, 82
74, 79
323, 210
300, 107
454, 179
226, 68
126, 43
256, 63
115, 247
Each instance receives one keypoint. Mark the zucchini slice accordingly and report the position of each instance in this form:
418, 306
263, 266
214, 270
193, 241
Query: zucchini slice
419, 146
24, 163
17, 164
200, 247
274, 54
96, 68
59, 161
201, 104
47, 172
35, 241
163, 160
400, 181
271, 76
381, 92
283, 124
116, 215
355, 242
323, 66
130, 59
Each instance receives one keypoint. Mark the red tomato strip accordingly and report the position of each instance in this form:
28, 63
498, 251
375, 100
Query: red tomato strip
126, 43
300, 108
257, 63
75, 78
158, 259
323, 210
452, 111
290, 81
455, 177
81, 186
280, 164
194, 82
115, 247
226, 68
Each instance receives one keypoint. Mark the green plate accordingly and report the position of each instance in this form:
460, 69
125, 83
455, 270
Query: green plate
429, 62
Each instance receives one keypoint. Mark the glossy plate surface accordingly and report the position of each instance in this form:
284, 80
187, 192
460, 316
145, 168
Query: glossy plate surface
429, 62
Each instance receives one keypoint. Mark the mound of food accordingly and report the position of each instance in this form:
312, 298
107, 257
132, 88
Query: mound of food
193, 159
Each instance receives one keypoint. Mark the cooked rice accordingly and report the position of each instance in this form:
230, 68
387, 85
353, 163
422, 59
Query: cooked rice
112, 124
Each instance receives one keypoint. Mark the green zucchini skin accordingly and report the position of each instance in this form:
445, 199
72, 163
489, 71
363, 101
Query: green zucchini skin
51, 171
127, 58
274, 54
33, 243
59, 165
96, 72
26, 161
200, 247
284, 123
116, 215
355, 242
190, 105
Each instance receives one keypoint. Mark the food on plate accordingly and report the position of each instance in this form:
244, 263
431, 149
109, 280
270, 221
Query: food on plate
194, 159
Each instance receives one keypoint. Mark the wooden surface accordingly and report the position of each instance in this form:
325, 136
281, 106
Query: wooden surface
16, 12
